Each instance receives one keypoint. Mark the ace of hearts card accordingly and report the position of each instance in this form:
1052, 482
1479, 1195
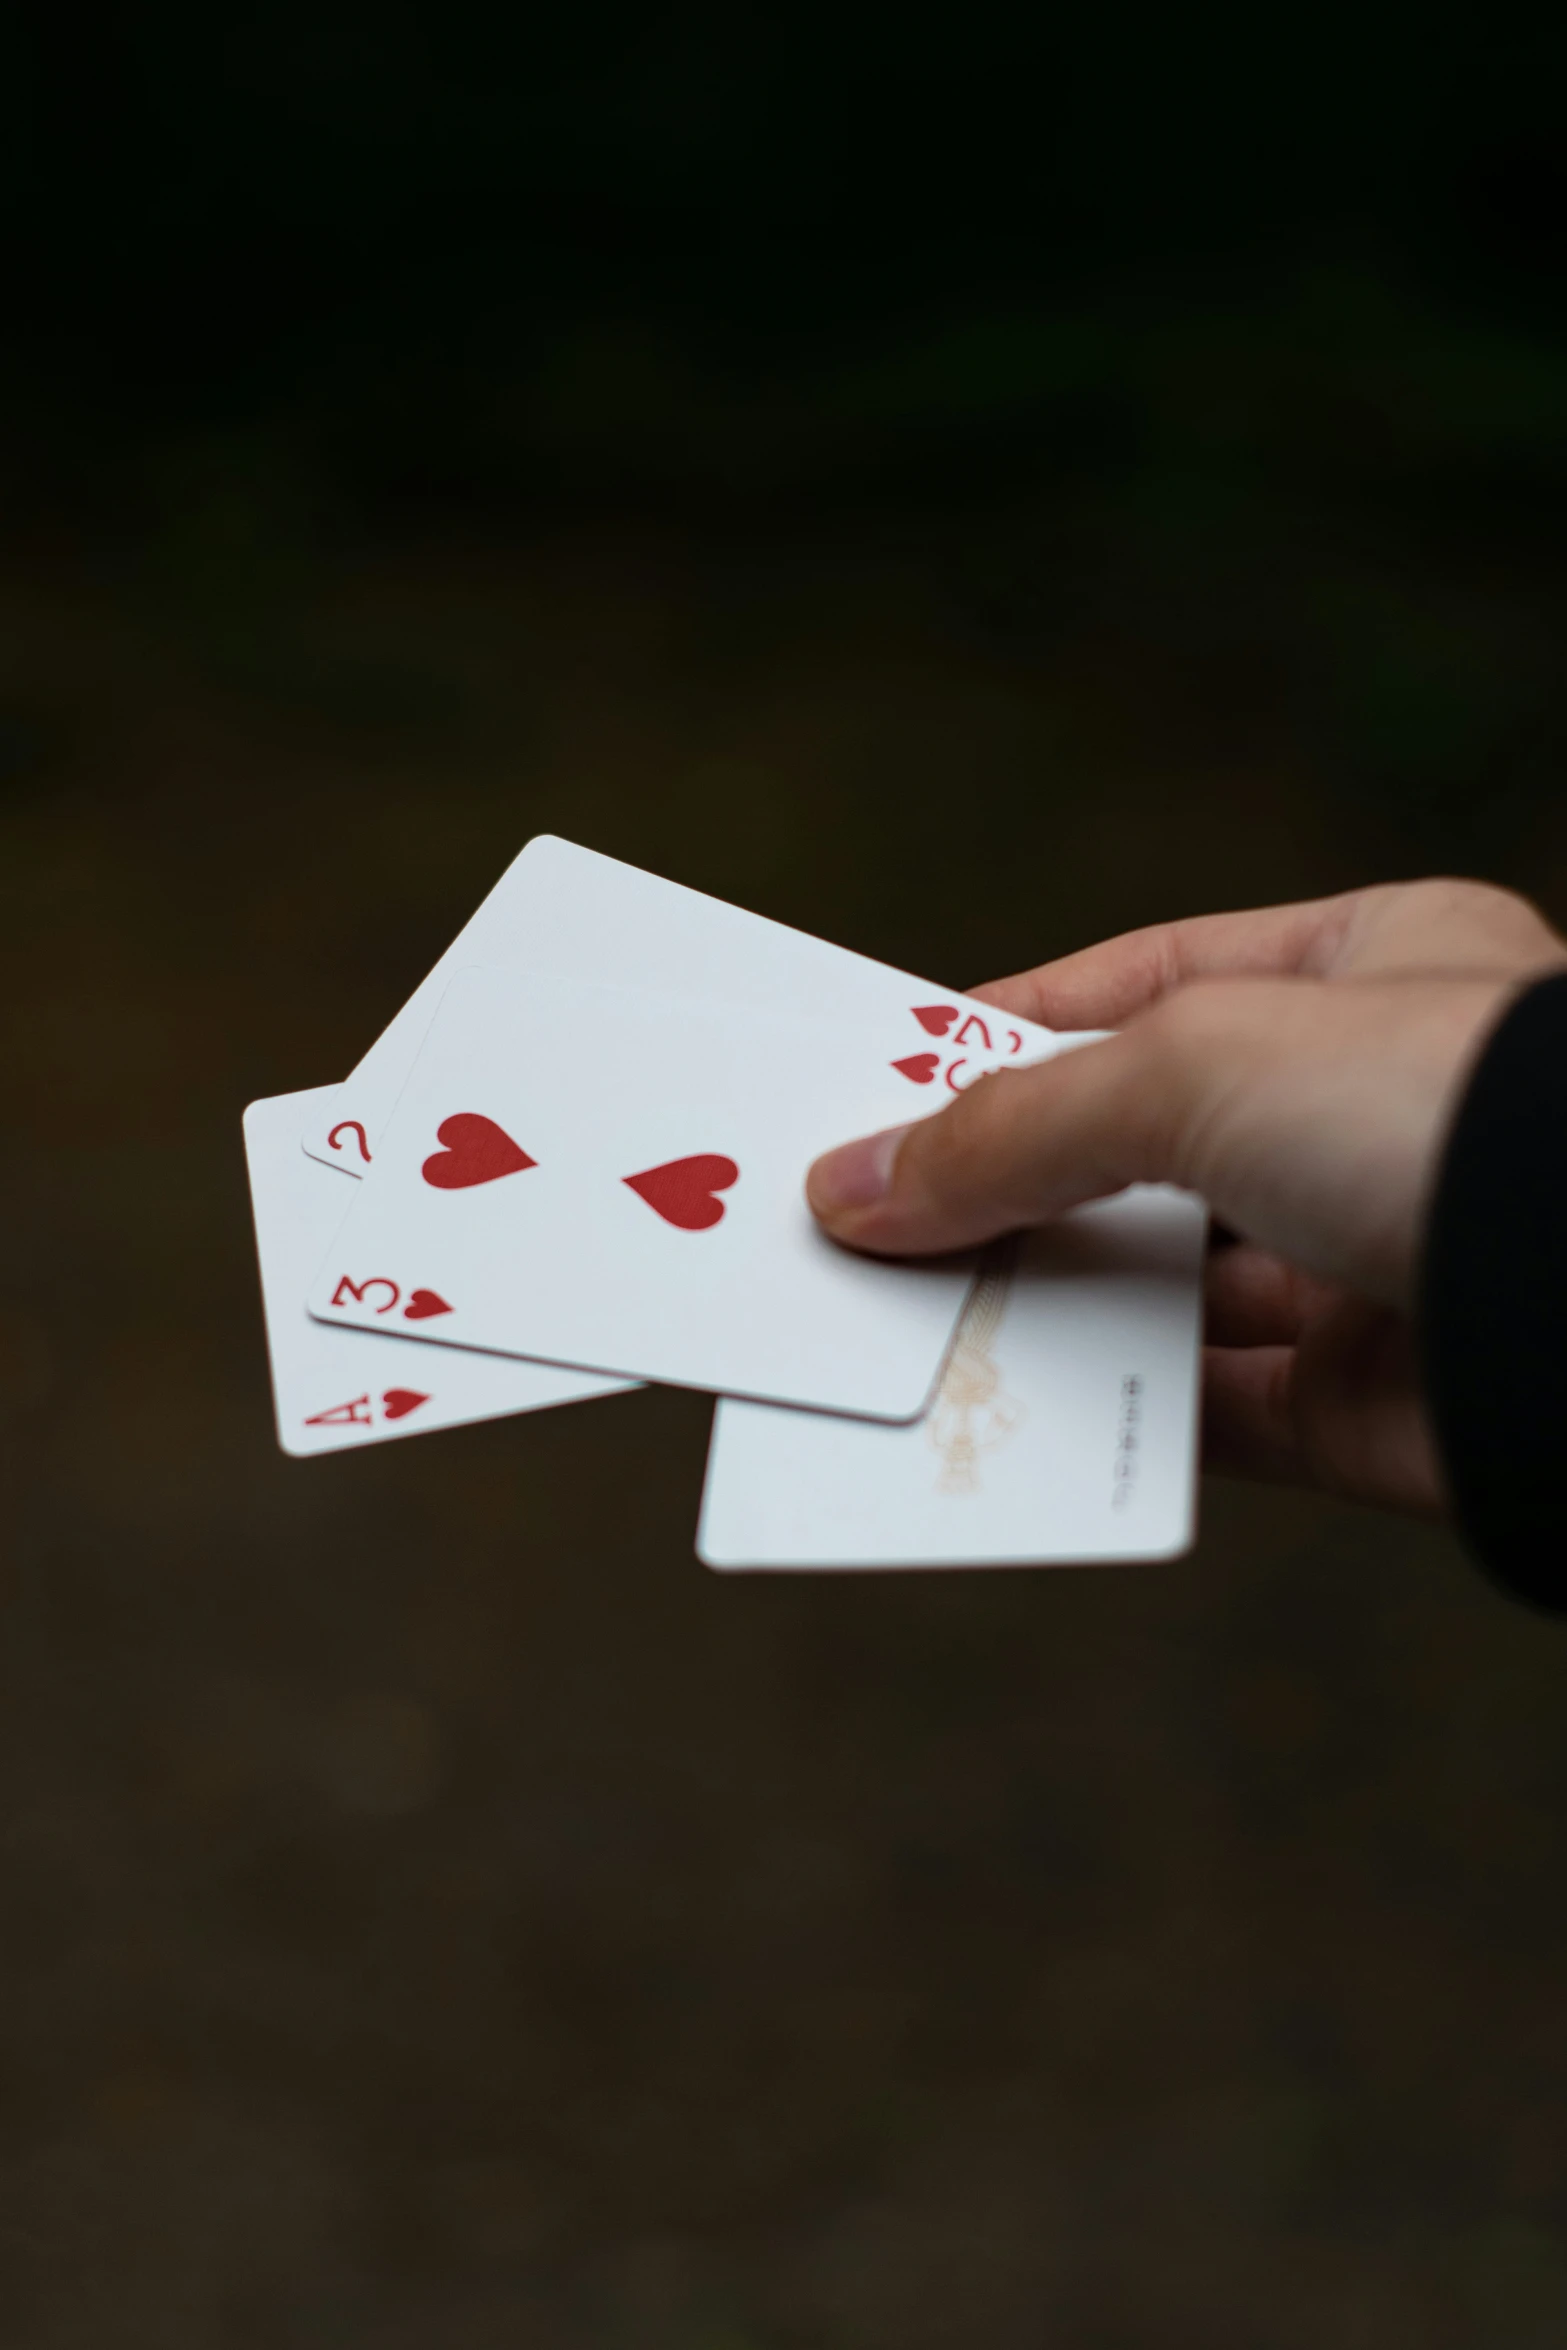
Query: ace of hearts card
337, 1390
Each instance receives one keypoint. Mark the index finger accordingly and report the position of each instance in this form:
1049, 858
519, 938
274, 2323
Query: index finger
1102, 986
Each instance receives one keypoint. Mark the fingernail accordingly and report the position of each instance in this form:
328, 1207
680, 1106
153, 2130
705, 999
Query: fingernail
856, 1176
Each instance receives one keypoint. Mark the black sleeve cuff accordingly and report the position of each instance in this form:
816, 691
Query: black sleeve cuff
1493, 1305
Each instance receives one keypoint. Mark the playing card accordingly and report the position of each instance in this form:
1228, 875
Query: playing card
568, 910
335, 1390
612, 1178
1063, 1428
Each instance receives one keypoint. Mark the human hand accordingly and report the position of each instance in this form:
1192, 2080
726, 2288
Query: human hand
1298, 1066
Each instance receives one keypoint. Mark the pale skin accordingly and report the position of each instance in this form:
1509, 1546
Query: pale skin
1298, 1066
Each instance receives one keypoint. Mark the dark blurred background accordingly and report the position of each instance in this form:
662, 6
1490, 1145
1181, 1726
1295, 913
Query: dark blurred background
964, 482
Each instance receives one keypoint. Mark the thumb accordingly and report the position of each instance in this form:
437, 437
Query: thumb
1309, 1114
1016, 1148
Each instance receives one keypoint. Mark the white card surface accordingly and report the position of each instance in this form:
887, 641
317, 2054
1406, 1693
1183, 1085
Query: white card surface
335, 1390
614, 1179
1063, 1430
568, 910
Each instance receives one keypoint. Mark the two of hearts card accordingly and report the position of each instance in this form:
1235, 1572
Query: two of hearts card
578, 1157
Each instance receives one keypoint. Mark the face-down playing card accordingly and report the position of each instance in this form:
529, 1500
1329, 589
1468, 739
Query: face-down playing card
335, 1390
1063, 1430
611, 1179
583, 916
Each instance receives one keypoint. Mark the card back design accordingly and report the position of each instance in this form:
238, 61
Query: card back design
1063, 1431
973, 1414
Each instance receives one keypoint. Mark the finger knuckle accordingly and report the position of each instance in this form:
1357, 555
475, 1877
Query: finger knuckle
1451, 900
1190, 1021
1199, 1049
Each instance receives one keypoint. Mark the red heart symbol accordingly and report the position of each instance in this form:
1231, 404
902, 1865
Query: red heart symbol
424, 1303
919, 1067
400, 1401
682, 1192
935, 1019
477, 1151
